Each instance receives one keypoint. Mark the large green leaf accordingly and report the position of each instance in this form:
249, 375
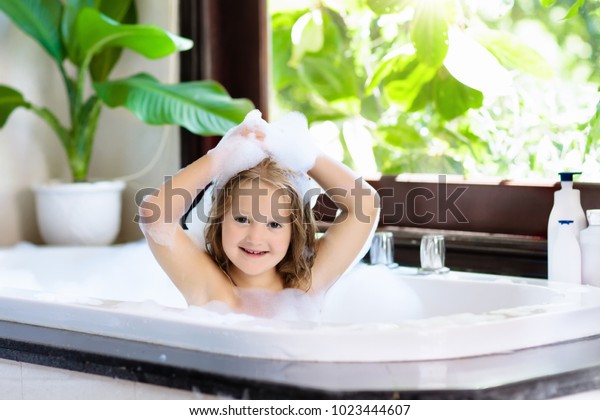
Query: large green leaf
382, 7
95, 31
116, 10
403, 135
452, 98
283, 74
513, 53
405, 90
201, 107
330, 78
307, 36
40, 19
547, 3
395, 62
574, 9
124, 11
429, 31
10, 100
71, 11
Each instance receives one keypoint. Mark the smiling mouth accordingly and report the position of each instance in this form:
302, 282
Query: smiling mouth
252, 252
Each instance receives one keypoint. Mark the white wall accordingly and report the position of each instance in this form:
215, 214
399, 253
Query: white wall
24, 381
30, 152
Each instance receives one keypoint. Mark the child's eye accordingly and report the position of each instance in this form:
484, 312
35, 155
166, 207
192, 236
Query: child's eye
241, 219
274, 225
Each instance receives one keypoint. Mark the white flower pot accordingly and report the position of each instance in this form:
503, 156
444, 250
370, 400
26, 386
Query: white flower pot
86, 213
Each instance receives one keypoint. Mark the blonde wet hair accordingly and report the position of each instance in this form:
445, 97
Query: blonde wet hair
295, 267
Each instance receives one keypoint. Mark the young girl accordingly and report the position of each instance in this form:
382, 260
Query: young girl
260, 233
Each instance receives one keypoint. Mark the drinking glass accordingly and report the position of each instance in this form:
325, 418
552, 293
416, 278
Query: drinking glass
382, 248
433, 254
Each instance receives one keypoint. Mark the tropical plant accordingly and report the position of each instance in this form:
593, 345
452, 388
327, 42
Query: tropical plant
90, 35
442, 86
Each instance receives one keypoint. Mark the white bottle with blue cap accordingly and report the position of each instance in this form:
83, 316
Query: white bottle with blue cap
567, 206
566, 260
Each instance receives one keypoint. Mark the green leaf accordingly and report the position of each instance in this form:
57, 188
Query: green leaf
39, 19
202, 107
429, 31
547, 3
332, 79
403, 135
452, 98
394, 62
405, 90
71, 10
117, 10
123, 11
594, 132
95, 32
281, 51
512, 53
10, 99
383, 7
307, 36
574, 10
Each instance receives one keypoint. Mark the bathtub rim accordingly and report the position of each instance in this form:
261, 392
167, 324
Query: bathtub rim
289, 344
539, 373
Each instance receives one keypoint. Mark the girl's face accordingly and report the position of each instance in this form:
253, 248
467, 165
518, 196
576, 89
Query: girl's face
256, 233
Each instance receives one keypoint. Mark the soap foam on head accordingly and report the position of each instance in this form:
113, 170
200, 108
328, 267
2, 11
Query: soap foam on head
291, 144
240, 148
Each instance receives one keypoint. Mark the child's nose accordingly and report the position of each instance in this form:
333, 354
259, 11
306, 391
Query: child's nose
256, 233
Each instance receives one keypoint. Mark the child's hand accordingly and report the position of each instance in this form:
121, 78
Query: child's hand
241, 148
289, 142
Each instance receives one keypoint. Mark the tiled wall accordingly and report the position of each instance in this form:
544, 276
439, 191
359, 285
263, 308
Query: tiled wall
33, 382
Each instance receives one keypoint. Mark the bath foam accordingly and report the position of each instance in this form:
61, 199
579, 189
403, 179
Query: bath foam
163, 233
128, 297
240, 148
287, 305
291, 144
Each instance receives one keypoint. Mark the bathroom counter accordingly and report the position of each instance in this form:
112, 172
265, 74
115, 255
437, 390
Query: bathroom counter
536, 373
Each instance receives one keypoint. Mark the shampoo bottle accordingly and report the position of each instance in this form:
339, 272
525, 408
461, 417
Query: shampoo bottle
567, 206
590, 249
566, 261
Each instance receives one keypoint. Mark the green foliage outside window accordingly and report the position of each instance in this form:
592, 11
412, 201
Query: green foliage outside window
470, 87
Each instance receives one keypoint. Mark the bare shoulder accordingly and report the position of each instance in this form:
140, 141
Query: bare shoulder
193, 271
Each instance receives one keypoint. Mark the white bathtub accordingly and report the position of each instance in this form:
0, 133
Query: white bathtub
121, 292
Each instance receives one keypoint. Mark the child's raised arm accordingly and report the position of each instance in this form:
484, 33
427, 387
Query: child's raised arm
190, 268
291, 144
358, 217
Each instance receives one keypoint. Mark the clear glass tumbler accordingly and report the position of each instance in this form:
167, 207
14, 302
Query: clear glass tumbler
382, 248
433, 254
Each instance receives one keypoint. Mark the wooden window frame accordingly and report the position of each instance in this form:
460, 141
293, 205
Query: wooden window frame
505, 227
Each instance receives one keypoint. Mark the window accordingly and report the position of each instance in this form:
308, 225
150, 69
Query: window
501, 225
479, 88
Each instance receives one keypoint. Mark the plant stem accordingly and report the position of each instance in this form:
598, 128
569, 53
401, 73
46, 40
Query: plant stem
83, 139
84, 120
53, 122
68, 82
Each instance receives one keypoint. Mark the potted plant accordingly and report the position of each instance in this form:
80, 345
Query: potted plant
90, 35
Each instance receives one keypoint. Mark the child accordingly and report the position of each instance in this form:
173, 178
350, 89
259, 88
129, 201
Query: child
260, 233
